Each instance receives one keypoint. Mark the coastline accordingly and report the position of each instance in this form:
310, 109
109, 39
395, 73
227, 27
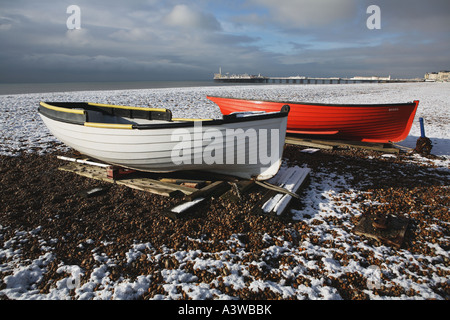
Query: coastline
26, 88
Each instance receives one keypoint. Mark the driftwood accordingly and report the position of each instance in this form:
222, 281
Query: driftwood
387, 229
180, 209
192, 201
275, 202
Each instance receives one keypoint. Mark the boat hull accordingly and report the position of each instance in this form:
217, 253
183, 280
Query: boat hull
179, 146
381, 123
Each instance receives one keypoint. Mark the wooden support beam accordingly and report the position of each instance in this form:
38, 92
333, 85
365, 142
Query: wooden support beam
198, 184
382, 147
307, 143
144, 184
115, 172
214, 189
333, 144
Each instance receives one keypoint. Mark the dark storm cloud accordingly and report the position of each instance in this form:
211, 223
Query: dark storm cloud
414, 37
181, 40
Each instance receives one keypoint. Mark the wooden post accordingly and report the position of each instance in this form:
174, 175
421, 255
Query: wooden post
422, 128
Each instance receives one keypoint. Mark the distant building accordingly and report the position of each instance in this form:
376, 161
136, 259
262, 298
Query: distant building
238, 77
372, 78
443, 75
431, 76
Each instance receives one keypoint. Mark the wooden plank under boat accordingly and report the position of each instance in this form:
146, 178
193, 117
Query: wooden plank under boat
381, 123
149, 139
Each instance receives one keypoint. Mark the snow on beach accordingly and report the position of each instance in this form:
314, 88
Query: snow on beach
22, 129
329, 196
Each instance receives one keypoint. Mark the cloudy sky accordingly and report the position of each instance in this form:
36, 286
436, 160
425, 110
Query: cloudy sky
189, 40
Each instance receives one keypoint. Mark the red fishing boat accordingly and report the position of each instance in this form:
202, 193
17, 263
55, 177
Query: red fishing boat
381, 123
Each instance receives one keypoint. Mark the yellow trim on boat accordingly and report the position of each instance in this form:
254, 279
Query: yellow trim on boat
61, 109
108, 125
125, 107
187, 119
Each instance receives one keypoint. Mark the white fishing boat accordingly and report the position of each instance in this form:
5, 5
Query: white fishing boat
248, 145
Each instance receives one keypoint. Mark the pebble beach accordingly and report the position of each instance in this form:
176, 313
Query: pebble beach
118, 245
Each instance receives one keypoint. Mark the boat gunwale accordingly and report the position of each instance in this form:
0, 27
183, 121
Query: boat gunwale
410, 103
68, 117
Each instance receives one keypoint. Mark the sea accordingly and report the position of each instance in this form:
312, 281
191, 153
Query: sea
21, 88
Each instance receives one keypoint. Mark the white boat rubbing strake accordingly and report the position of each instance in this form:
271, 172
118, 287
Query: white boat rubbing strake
245, 145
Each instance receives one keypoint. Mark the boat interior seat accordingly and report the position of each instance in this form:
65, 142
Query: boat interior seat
100, 117
95, 114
